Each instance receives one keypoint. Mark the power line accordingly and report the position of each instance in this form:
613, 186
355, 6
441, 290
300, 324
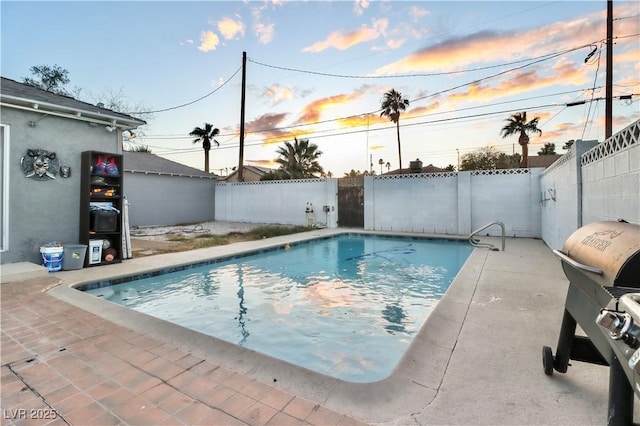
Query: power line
499, 74
625, 17
434, 74
535, 60
191, 102
529, 62
595, 78
283, 128
316, 135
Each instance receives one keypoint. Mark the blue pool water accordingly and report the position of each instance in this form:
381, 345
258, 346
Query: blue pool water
346, 306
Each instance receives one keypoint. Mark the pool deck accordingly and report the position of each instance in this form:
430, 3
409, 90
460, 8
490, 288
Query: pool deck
477, 360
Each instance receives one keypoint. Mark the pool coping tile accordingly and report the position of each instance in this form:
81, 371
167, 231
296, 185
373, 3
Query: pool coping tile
264, 369
106, 341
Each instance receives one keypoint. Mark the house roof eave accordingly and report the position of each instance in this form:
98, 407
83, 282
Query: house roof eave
100, 116
24, 97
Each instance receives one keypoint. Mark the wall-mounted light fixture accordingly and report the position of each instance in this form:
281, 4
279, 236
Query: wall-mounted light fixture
112, 127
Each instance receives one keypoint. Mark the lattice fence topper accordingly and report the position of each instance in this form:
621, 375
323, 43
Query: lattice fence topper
628, 136
417, 176
561, 161
497, 172
274, 182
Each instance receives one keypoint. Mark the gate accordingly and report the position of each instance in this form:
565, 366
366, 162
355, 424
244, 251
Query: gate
351, 202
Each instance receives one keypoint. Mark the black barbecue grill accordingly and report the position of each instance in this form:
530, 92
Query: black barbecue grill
602, 263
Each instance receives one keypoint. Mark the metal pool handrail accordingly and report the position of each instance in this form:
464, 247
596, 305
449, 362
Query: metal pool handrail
476, 243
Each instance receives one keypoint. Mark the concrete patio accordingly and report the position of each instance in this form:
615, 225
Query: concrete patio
80, 360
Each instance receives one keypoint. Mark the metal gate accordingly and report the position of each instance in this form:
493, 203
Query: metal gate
351, 202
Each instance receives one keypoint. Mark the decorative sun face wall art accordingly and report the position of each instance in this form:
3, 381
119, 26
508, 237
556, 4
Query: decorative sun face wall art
39, 164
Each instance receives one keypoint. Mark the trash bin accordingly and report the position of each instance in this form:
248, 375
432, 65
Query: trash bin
52, 256
73, 256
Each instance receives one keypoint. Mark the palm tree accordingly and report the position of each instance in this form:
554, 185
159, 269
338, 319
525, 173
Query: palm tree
381, 162
300, 159
205, 135
517, 124
392, 104
548, 149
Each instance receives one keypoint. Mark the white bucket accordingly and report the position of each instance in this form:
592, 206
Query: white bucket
52, 258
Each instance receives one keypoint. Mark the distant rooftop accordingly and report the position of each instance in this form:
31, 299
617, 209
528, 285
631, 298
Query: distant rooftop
146, 162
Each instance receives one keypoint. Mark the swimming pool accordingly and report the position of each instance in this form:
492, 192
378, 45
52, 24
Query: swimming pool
346, 306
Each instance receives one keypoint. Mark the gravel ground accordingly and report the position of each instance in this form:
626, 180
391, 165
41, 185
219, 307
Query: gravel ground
159, 233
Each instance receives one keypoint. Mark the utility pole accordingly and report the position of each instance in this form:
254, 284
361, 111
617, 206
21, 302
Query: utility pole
242, 98
608, 115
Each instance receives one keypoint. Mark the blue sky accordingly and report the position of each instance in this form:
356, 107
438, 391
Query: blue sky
319, 69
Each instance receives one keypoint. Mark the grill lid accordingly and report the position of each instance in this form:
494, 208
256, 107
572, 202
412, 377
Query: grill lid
611, 247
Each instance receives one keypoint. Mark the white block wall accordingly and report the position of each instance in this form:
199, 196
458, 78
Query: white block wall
412, 203
611, 181
278, 202
156, 200
512, 198
594, 182
561, 197
455, 203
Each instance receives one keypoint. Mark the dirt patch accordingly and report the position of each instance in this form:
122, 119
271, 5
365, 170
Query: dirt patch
148, 241
142, 247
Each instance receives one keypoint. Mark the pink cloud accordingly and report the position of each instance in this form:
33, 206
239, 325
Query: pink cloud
339, 40
209, 41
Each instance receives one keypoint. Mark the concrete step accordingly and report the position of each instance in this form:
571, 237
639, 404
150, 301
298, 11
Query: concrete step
21, 271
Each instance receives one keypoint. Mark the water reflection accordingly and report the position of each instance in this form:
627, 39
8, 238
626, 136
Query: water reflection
395, 315
348, 249
345, 307
205, 284
242, 308
330, 294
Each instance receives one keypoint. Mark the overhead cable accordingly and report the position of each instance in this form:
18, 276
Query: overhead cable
295, 126
318, 135
188, 103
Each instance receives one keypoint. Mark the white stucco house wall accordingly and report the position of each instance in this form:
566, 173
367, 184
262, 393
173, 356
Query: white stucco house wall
39, 209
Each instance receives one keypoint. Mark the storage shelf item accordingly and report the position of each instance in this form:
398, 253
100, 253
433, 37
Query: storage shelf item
101, 207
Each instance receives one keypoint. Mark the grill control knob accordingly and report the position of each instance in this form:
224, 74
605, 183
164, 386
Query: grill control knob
616, 323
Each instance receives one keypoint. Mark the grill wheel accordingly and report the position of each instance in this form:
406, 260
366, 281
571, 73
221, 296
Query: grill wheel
547, 360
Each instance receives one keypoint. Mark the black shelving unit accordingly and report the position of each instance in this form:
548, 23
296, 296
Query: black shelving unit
101, 204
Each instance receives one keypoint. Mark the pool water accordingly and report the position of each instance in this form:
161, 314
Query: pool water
346, 306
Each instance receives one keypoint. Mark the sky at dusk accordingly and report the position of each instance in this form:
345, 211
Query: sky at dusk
318, 70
